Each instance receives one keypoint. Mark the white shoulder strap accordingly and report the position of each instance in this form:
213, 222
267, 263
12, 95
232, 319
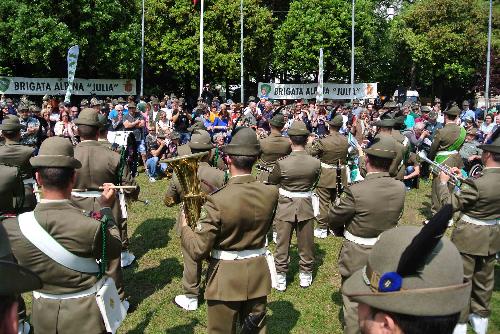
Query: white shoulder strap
50, 247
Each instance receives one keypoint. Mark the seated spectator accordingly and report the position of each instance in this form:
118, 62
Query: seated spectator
417, 135
163, 125
470, 150
221, 122
156, 147
66, 128
488, 125
412, 172
207, 123
118, 119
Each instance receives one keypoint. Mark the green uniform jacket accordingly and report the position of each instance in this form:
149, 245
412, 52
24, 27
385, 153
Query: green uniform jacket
370, 207
479, 198
15, 154
330, 150
80, 235
272, 148
297, 172
443, 139
367, 209
99, 165
235, 218
405, 147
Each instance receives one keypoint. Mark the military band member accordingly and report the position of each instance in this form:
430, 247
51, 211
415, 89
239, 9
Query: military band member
67, 301
444, 150
296, 175
331, 150
231, 233
103, 131
13, 153
477, 234
384, 127
399, 124
367, 209
411, 283
273, 147
101, 165
14, 280
211, 179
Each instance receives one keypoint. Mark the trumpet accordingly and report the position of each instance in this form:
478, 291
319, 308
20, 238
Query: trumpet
454, 178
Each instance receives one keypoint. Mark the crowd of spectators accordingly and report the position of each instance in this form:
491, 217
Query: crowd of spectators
159, 125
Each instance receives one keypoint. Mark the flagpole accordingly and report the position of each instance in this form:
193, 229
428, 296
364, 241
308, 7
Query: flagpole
142, 52
488, 62
352, 51
201, 46
242, 92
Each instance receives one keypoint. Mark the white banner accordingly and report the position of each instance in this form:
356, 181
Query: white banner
72, 60
332, 91
58, 86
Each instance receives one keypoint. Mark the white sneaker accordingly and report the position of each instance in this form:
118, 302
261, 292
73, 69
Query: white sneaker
23, 327
305, 279
127, 259
275, 237
281, 282
479, 324
320, 233
460, 329
152, 179
187, 303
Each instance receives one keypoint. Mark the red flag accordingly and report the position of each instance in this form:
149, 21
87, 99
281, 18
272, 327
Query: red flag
195, 2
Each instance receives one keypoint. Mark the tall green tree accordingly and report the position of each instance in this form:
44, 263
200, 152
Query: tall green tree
439, 45
172, 40
314, 24
35, 36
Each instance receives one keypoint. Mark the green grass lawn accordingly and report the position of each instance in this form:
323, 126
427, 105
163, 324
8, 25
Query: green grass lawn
154, 280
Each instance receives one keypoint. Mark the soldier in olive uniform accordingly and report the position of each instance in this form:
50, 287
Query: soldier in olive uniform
444, 150
67, 301
101, 165
231, 233
332, 152
273, 147
477, 234
10, 187
211, 179
399, 123
14, 280
103, 131
296, 175
384, 127
15, 154
367, 209
398, 294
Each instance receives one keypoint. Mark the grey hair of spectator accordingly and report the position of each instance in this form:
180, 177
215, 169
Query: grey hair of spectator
419, 126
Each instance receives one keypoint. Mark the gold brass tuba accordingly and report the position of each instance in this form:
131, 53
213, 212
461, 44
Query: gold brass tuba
186, 170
